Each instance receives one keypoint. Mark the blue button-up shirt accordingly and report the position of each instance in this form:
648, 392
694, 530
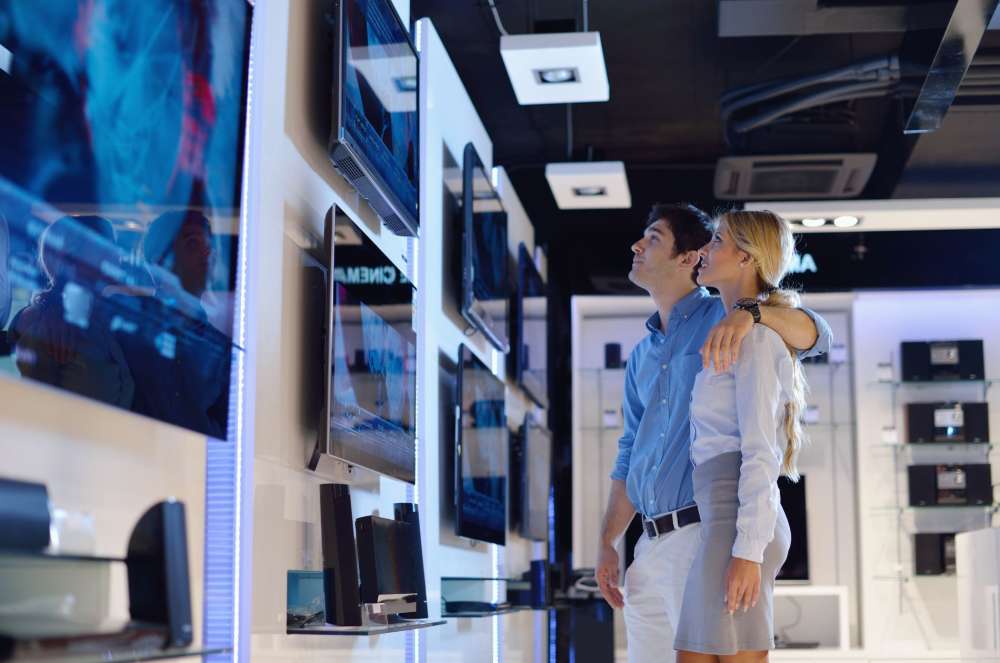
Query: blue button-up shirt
654, 451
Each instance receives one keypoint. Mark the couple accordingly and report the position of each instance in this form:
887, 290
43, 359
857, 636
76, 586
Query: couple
712, 406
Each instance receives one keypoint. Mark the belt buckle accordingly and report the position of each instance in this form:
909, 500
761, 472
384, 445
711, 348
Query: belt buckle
673, 516
656, 530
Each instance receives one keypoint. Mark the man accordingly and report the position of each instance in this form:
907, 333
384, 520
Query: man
652, 475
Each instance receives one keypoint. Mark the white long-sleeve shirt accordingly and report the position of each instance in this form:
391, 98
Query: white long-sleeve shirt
744, 410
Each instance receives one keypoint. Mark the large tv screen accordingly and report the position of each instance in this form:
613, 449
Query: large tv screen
121, 144
486, 283
481, 453
371, 410
532, 330
375, 132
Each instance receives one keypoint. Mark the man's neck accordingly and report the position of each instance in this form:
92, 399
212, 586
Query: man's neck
667, 297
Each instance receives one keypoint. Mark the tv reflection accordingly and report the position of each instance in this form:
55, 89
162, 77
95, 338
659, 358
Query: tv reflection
484, 450
134, 336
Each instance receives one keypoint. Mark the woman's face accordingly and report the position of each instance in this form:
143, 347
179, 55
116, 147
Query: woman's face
720, 260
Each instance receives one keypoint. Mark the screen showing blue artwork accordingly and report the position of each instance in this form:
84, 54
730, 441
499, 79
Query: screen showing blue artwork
483, 453
379, 95
120, 169
373, 400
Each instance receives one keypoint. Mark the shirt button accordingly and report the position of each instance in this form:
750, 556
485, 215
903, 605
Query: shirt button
663, 366
664, 400
663, 434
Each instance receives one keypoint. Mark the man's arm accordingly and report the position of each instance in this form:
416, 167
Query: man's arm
619, 514
802, 329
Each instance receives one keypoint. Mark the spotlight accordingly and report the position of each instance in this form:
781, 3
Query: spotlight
557, 75
813, 222
590, 191
846, 221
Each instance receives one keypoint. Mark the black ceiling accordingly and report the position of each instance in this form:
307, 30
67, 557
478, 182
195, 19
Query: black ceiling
667, 68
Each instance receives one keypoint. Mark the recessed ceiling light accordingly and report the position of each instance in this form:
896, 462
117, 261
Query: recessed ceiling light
6, 59
590, 191
557, 75
813, 222
406, 84
556, 68
846, 221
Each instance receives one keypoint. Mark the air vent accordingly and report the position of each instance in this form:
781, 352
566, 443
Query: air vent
349, 169
793, 177
395, 224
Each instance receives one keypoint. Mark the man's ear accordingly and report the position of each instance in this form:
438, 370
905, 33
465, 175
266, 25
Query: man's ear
690, 258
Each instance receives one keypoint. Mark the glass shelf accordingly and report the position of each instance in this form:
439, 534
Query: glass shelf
372, 629
30, 554
923, 384
484, 614
939, 445
25, 652
935, 508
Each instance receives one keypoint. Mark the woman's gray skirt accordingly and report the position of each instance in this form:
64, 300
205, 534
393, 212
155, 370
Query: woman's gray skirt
705, 625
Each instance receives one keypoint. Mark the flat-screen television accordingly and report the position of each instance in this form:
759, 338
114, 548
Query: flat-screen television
531, 479
481, 452
375, 130
793, 501
531, 330
370, 357
121, 147
485, 280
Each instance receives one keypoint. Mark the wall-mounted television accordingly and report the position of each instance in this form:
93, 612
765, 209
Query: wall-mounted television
370, 357
531, 331
531, 479
481, 452
375, 130
793, 502
485, 280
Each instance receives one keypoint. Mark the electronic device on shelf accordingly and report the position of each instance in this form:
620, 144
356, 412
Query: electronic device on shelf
947, 422
925, 361
375, 129
391, 563
481, 452
486, 287
475, 606
341, 593
530, 337
24, 515
793, 502
530, 479
933, 554
950, 485
369, 410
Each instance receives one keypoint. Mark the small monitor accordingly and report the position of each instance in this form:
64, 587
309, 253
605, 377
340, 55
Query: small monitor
481, 453
531, 337
485, 278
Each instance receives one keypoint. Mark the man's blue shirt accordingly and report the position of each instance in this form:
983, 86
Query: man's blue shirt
654, 451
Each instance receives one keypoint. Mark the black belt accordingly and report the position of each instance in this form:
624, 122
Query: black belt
668, 522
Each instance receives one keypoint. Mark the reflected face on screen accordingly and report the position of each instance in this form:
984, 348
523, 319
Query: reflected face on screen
120, 150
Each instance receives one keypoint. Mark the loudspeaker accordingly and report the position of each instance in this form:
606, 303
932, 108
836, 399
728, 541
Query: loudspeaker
387, 562
407, 513
942, 360
340, 558
922, 480
159, 590
24, 515
612, 355
978, 485
928, 554
947, 422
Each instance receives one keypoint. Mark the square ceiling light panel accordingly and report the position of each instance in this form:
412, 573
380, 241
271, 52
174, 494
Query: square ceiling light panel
560, 68
391, 71
589, 185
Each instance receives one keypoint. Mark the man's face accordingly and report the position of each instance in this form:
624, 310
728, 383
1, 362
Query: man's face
654, 262
192, 254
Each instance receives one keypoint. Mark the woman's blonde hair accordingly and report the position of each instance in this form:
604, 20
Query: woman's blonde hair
768, 239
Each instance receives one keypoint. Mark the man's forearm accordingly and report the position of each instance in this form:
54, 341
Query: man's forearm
618, 515
794, 326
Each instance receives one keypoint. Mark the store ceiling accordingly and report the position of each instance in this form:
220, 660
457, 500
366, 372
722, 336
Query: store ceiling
668, 68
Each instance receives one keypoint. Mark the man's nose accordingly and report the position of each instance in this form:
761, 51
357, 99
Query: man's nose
636, 249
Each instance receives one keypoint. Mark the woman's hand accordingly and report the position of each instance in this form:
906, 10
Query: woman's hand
742, 584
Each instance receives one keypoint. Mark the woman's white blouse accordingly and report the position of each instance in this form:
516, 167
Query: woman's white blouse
744, 410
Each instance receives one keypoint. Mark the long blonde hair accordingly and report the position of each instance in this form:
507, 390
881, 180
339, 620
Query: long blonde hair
768, 239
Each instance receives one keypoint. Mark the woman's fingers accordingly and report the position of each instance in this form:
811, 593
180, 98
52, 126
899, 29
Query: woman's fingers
756, 595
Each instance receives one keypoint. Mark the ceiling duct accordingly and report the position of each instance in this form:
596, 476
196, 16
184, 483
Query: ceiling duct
769, 18
803, 176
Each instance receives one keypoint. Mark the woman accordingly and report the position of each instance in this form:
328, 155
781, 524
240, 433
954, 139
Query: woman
745, 433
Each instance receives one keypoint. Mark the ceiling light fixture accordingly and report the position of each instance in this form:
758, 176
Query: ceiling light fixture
589, 185
6, 59
846, 221
813, 222
556, 68
557, 76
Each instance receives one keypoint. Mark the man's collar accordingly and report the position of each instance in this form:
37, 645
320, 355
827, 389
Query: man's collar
684, 308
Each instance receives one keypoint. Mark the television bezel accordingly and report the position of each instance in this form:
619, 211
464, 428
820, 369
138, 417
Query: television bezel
323, 451
340, 136
498, 338
538, 394
462, 528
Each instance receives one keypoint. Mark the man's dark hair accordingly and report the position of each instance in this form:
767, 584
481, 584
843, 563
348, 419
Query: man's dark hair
691, 227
